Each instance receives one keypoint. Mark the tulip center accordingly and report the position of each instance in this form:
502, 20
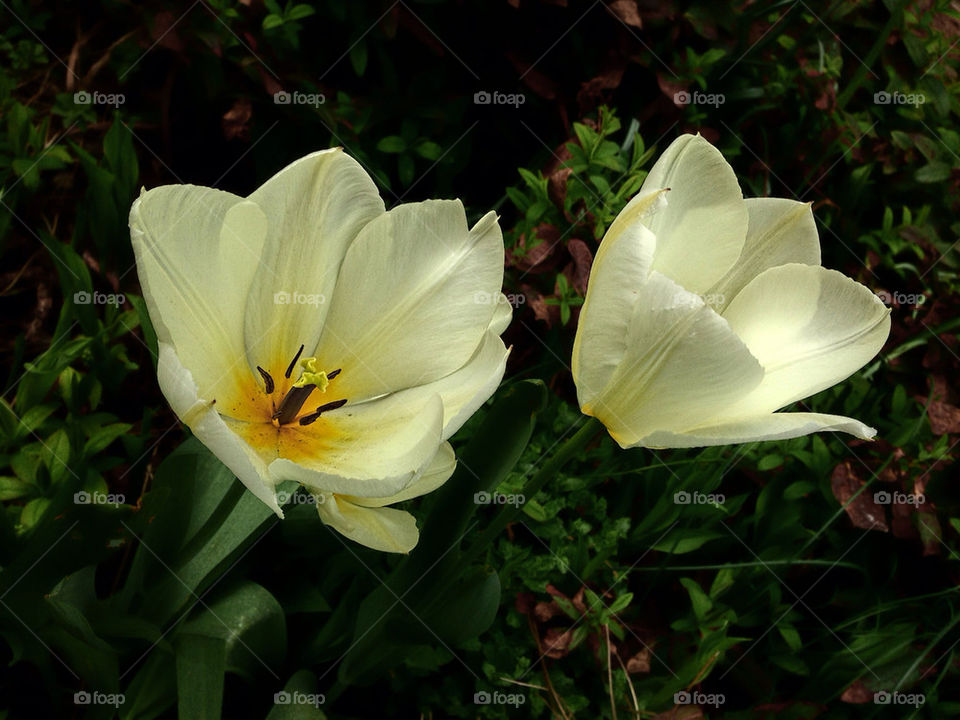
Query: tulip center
311, 378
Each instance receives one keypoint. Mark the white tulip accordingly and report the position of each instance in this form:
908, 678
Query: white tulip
307, 334
705, 313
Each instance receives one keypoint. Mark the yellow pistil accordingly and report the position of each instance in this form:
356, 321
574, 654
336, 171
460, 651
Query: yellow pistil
312, 375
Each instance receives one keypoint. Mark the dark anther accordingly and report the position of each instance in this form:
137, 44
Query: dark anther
333, 373
267, 380
293, 363
312, 417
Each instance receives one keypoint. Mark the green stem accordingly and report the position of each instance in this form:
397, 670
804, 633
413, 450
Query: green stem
589, 430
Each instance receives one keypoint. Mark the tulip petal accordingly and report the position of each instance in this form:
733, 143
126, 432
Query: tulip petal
315, 208
199, 414
682, 364
412, 302
780, 232
773, 426
502, 315
434, 475
373, 449
619, 270
197, 250
380, 528
809, 327
701, 231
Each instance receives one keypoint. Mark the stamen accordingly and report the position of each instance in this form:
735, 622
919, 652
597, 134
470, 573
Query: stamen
333, 373
267, 380
293, 363
314, 416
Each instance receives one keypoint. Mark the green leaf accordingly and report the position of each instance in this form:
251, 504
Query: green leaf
392, 144
201, 665
933, 172
272, 21
684, 540
358, 58
103, 436
698, 598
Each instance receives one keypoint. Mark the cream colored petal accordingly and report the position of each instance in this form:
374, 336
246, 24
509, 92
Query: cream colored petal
502, 315
433, 476
413, 299
315, 208
774, 426
683, 364
619, 271
199, 414
380, 528
197, 250
702, 230
809, 327
780, 232
374, 449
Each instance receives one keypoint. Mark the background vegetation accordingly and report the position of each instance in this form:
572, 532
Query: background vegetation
802, 594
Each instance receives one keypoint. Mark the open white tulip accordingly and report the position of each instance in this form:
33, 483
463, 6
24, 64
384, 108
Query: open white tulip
307, 334
705, 313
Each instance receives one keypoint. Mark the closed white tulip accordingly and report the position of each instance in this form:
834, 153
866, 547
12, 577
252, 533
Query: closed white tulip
307, 334
706, 313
